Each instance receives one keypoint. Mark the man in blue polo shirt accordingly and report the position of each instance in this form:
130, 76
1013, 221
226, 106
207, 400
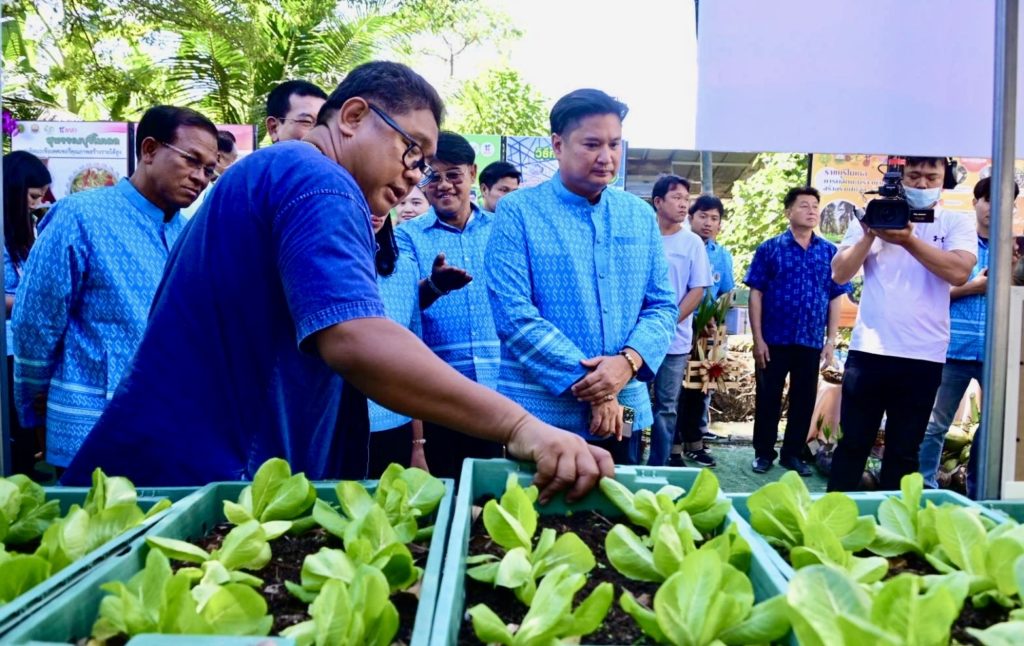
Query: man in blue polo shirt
966, 354
454, 317
792, 301
270, 295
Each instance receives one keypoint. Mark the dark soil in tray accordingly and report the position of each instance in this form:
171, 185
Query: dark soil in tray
289, 552
591, 527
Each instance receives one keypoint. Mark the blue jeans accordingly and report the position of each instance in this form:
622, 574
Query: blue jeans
667, 384
956, 377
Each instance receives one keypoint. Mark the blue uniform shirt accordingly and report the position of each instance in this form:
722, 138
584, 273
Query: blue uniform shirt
797, 286
967, 317
458, 327
12, 275
226, 375
81, 307
401, 298
570, 280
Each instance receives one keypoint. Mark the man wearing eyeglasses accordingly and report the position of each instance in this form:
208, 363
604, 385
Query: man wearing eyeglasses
84, 299
292, 108
269, 320
455, 316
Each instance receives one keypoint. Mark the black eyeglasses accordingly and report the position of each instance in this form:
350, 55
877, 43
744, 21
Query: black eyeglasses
413, 157
305, 123
194, 162
453, 177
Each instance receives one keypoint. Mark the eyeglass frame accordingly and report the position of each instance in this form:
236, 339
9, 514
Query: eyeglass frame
194, 162
311, 123
437, 176
421, 165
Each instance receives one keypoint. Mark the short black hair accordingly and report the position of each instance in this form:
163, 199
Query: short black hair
983, 190
161, 122
666, 184
225, 141
576, 105
707, 203
454, 149
497, 171
797, 191
925, 161
393, 87
279, 101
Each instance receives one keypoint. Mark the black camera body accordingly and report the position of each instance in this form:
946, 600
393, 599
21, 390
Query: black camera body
890, 210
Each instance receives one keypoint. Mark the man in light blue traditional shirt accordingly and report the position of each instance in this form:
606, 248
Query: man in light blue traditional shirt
454, 317
579, 285
82, 305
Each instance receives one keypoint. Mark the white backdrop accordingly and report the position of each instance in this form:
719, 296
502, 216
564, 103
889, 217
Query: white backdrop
872, 76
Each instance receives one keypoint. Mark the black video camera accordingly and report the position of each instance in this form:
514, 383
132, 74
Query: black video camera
890, 210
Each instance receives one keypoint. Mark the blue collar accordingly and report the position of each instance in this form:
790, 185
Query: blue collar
567, 196
789, 237
476, 214
139, 201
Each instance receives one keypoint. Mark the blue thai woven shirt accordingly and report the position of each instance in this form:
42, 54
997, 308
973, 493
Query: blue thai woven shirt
721, 268
967, 318
570, 280
458, 327
399, 291
797, 286
82, 305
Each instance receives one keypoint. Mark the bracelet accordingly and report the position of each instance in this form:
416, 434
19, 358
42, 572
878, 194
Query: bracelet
632, 363
422, 440
437, 290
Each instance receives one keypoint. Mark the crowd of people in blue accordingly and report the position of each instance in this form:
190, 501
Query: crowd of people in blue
340, 300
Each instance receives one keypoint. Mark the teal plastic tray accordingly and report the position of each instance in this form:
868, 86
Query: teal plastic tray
71, 616
488, 477
867, 503
1012, 509
14, 611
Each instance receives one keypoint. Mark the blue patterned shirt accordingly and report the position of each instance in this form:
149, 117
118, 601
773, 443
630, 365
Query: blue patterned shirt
82, 305
797, 286
967, 318
12, 274
721, 268
458, 327
400, 293
570, 280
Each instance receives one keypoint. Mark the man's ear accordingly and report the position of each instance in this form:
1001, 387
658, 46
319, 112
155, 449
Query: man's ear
472, 175
556, 144
148, 150
352, 114
272, 125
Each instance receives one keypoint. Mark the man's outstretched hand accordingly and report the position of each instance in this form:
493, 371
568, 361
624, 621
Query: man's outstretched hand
564, 460
446, 277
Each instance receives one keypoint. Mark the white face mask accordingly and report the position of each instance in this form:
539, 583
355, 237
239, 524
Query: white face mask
922, 198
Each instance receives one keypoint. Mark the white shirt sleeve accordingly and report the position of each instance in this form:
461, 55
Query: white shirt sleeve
854, 232
962, 233
700, 266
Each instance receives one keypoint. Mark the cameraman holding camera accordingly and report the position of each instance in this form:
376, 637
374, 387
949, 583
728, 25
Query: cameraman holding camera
899, 341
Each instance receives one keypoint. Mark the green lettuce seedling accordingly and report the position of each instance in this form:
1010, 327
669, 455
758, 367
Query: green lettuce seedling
829, 608
405, 495
359, 612
993, 561
19, 573
24, 511
550, 617
275, 494
1007, 633
707, 601
673, 536
368, 540
512, 523
827, 530
155, 600
246, 547
642, 507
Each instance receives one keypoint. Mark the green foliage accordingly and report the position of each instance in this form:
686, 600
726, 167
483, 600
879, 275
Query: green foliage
24, 512
274, 495
708, 601
357, 612
499, 102
550, 617
703, 504
755, 212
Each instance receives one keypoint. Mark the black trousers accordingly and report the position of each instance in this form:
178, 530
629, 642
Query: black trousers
801, 364
901, 389
392, 445
690, 412
23, 440
446, 449
624, 451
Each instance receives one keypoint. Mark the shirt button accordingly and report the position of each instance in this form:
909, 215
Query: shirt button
602, 275
605, 310
599, 241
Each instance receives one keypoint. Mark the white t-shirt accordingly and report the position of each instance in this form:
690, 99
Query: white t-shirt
904, 308
688, 267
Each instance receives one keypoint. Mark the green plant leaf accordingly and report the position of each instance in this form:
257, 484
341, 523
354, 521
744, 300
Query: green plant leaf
514, 569
1005, 634
425, 491
668, 550
711, 518
178, 550
963, 539
355, 501
324, 565
569, 550
329, 518
244, 547
775, 513
19, 573
702, 495
818, 597
589, 615
266, 482
235, 513
862, 534
1000, 560
504, 527
628, 554
488, 627
768, 622
238, 610
644, 617
835, 510
622, 497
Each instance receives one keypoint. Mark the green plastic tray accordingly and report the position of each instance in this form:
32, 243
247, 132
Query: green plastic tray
14, 611
72, 615
1012, 509
488, 477
867, 503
